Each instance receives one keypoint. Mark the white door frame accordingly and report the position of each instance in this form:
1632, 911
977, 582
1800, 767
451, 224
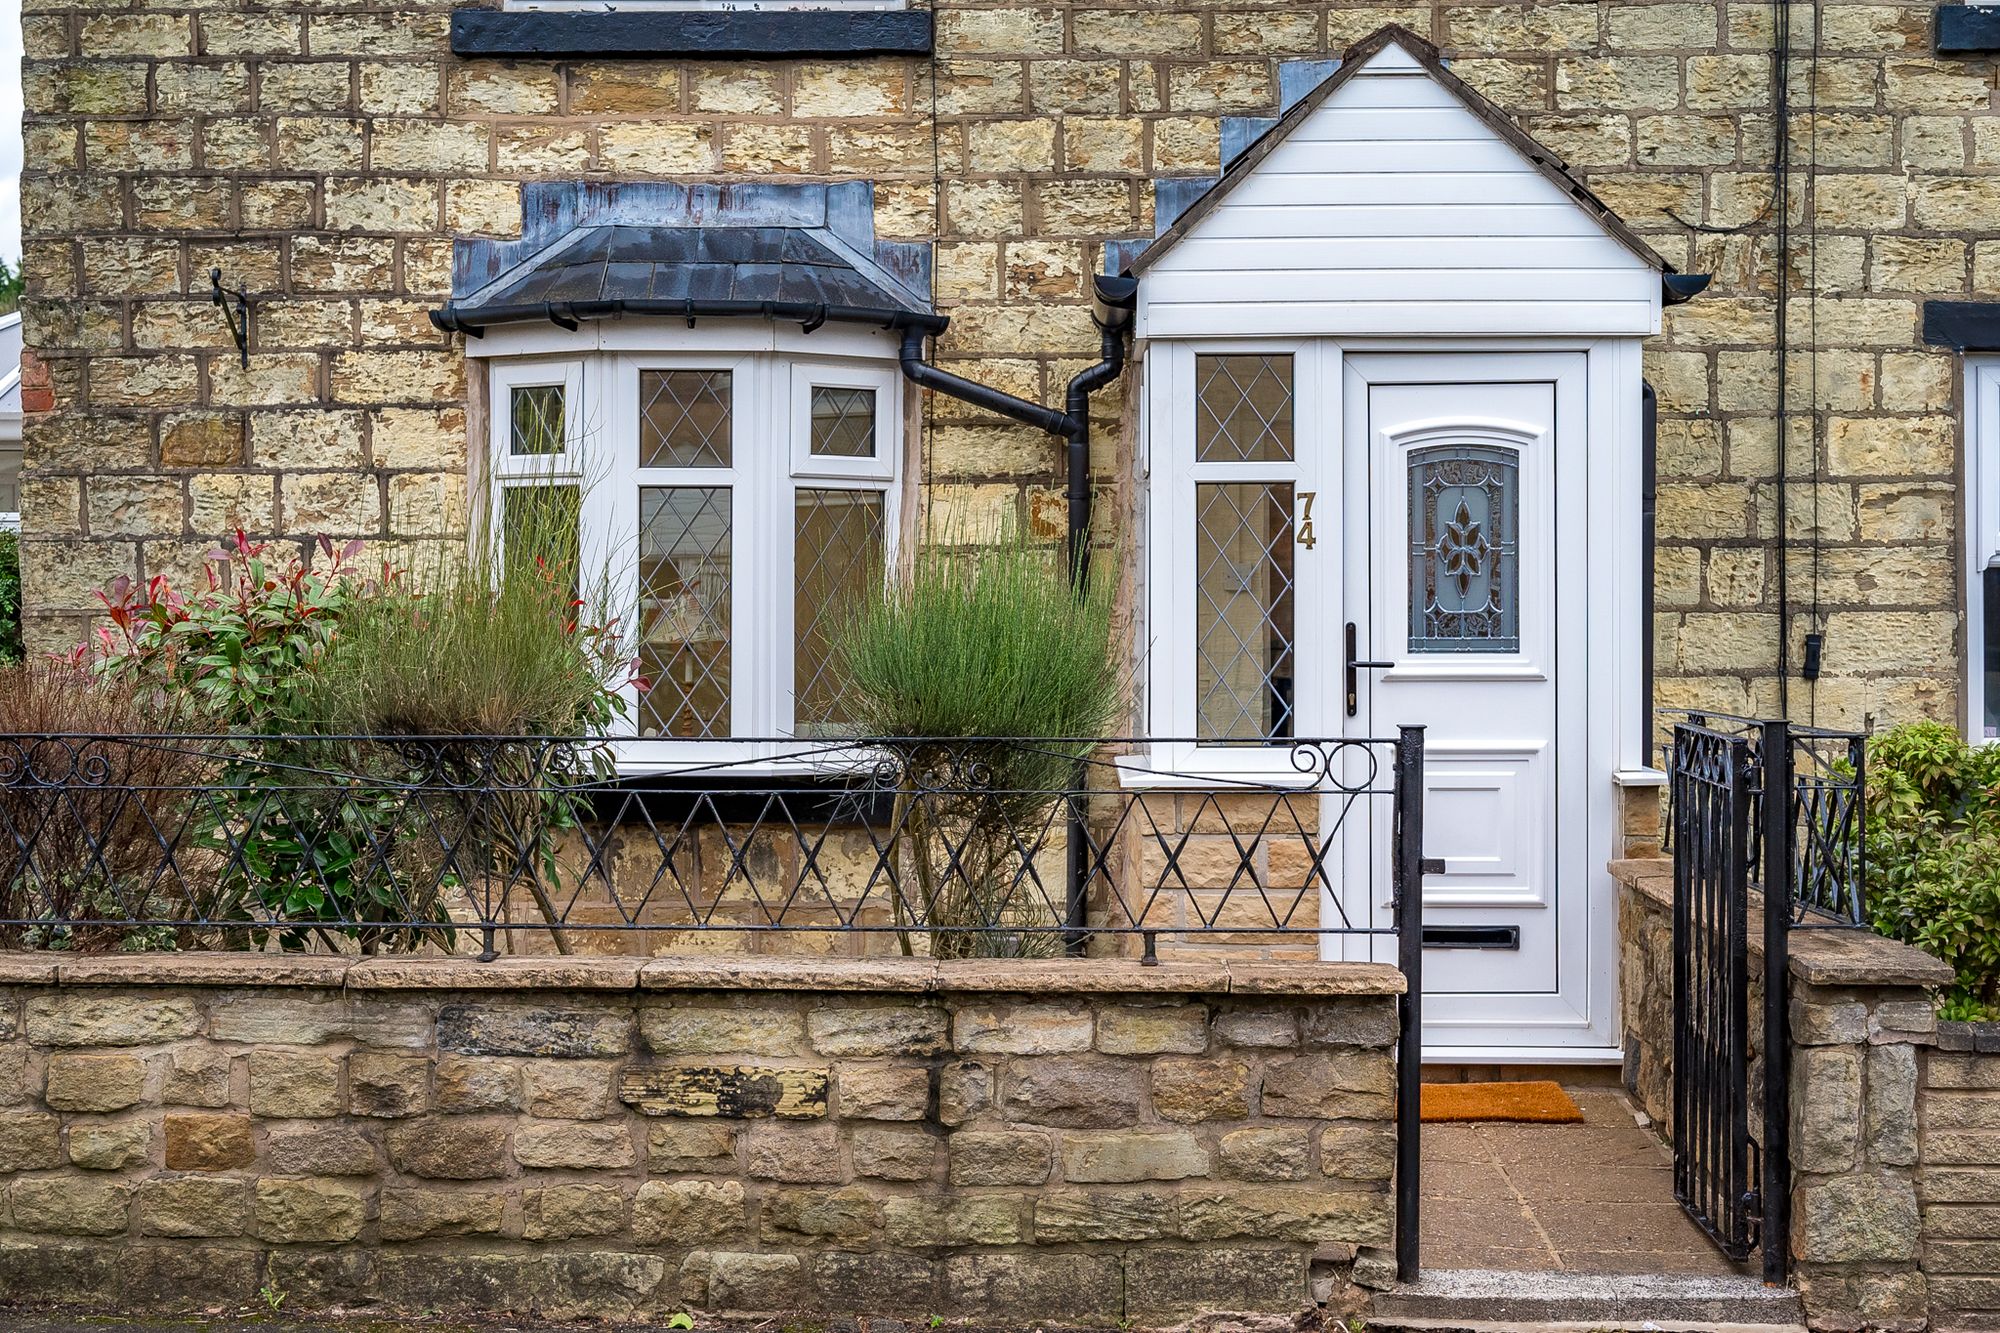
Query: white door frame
1614, 730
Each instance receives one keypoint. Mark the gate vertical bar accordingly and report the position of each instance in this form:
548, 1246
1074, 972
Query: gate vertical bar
1775, 1188
1407, 878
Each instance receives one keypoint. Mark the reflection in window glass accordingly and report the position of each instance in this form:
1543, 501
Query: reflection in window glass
541, 523
838, 562
684, 418
1243, 409
684, 611
537, 420
10, 478
843, 422
1243, 610
1465, 573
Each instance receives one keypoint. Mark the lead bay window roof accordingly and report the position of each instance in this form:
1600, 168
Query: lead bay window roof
775, 272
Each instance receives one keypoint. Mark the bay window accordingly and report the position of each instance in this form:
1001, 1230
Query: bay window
741, 505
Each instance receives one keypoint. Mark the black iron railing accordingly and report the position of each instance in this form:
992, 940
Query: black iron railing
1823, 775
958, 847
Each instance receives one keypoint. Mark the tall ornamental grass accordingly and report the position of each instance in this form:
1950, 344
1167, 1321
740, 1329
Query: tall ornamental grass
515, 639
985, 670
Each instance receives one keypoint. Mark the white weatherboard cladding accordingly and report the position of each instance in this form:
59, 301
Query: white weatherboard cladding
1392, 209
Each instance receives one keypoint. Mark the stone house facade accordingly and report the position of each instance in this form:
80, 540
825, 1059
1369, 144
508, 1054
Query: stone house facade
384, 182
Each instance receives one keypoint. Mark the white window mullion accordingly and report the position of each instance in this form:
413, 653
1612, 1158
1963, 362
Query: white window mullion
760, 496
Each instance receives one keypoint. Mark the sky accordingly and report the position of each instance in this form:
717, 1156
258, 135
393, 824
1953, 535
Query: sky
10, 131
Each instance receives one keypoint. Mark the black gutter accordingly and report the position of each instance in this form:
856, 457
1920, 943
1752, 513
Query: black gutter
567, 314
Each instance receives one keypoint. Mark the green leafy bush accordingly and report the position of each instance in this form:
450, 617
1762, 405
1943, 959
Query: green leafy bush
10, 598
241, 651
1934, 855
313, 821
986, 642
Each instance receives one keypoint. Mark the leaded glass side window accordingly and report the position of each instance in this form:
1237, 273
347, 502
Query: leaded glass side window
1243, 610
10, 480
1243, 409
843, 422
1465, 559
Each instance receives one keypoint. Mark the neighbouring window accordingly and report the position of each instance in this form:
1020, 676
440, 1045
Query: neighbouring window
1982, 546
10, 484
740, 506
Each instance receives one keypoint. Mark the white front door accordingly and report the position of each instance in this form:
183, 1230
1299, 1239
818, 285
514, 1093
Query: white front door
1464, 602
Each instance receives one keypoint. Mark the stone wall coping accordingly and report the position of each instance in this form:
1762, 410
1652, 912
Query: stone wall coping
1819, 957
1052, 976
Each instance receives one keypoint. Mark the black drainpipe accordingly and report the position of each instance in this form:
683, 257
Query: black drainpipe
1112, 306
1112, 311
1649, 455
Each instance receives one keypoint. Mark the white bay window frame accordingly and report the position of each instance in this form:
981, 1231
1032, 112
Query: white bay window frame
771, 462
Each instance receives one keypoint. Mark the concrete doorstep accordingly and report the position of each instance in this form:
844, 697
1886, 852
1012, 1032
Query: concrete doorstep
1482, 1299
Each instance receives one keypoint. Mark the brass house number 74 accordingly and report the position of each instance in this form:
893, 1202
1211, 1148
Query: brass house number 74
1306, 537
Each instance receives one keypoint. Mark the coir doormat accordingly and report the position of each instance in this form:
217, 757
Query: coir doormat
1541, 1103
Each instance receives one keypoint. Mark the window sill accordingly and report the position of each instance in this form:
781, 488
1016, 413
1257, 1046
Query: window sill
1968, 29
716, 34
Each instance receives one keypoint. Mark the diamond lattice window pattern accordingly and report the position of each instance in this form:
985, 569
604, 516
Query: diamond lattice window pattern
537, 420
1243, 409
684, 610
684, 418
843, 422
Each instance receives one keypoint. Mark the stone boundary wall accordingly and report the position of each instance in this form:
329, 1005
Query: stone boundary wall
1958, 1120
1860, 1015
1096, 1143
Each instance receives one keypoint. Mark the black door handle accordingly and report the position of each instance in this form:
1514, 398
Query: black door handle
1354, 666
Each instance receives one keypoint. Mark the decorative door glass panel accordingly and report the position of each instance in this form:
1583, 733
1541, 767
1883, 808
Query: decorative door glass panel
1465, 559
684, 611
837, 557
843, 422
1243, 610
684, 418
1243, 409
537, 426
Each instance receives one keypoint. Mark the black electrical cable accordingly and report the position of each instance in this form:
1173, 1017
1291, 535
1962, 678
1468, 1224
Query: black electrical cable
1809, 210
1781, 187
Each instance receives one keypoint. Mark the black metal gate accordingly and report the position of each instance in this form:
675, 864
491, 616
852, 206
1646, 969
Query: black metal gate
1729, 1099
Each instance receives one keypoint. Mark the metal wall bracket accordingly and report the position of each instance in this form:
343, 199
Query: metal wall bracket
239, 317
